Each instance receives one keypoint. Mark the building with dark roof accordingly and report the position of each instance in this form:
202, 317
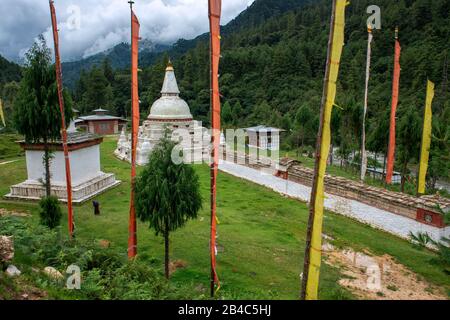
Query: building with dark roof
100, 123
264, 138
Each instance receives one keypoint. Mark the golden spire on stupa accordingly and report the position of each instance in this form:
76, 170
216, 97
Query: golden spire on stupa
169, 66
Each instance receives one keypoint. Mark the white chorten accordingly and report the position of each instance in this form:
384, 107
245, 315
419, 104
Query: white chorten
173, 113
88, 180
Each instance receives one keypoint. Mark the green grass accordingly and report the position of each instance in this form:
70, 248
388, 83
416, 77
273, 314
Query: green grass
8, 146
261, 236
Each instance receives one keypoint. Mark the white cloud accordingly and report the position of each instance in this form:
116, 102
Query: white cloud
99, 25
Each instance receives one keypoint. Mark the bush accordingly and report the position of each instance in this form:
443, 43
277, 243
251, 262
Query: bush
50, 212
106, 272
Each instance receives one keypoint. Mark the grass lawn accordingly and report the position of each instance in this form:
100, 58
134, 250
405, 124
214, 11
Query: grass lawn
8, 146
261, 236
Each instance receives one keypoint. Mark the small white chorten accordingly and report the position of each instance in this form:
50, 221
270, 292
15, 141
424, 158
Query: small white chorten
88, 180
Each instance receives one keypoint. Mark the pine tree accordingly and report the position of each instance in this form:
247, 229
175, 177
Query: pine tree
238, 113
36, 109
167, 194
227, 114
408, 140
96, 91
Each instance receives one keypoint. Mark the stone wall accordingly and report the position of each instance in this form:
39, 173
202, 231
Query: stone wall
377, 197
398, 203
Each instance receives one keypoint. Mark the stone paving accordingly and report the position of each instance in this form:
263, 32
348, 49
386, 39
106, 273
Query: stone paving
380, 219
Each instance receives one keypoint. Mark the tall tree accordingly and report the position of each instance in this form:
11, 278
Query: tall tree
167, 194
439, 165
36, 109
227, 114
8, 95
408, 140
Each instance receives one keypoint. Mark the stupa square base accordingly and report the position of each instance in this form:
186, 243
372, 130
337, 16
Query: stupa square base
35, 190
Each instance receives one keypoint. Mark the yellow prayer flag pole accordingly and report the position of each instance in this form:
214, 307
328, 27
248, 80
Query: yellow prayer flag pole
426, 139
312, 261
2, 116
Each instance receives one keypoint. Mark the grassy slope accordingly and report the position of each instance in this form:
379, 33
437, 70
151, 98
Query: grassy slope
8, 146
261, 236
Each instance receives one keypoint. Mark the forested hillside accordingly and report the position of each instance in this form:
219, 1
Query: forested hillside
10, 74
9, 71
272, 73
118, 56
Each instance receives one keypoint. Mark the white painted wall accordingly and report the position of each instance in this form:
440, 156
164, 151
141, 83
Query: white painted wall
84, 165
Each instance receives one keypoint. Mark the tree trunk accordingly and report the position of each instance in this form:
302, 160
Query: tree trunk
405, 167
47, 169
376, 165
166, 249
331, 155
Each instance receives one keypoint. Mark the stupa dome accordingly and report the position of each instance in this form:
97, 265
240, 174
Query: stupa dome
170, 106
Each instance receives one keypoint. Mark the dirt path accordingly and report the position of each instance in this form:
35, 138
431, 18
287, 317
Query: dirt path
380, 277
4, 213
8, 162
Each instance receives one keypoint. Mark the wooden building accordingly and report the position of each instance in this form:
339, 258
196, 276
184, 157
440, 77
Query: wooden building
100, 123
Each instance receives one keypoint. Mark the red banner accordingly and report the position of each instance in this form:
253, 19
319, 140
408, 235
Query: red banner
395, 93
63, 118
132, 237
215, 8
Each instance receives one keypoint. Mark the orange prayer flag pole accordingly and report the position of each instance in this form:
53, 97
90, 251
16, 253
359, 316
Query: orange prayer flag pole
63, 119
214, 10
395, 90
132, 228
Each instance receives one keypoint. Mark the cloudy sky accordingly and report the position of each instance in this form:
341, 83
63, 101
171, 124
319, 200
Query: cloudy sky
88, 27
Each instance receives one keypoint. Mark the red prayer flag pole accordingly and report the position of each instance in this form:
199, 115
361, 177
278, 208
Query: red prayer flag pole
395, 90
63, 119
214, 11
132, 236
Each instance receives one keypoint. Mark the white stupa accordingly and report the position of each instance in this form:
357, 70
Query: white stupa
173, 113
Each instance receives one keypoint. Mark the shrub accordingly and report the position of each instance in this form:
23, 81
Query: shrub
106, 272
50, 212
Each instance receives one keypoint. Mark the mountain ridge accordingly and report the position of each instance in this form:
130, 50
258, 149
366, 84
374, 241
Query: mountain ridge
119, 55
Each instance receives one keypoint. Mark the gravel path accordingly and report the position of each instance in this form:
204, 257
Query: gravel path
8, 162
380, 219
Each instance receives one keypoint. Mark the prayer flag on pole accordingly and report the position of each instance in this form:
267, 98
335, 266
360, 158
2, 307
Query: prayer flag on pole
395, 90
2, 116
363, 143
311, 271
63, 119
426, 139
132, 235
215, 8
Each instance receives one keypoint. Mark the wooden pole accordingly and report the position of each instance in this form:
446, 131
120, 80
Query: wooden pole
132, 237
214, 13
63, 118
366, 97
212, 174
317, 162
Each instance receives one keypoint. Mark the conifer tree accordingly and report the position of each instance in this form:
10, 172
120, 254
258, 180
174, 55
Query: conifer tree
36, 109
167, 194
